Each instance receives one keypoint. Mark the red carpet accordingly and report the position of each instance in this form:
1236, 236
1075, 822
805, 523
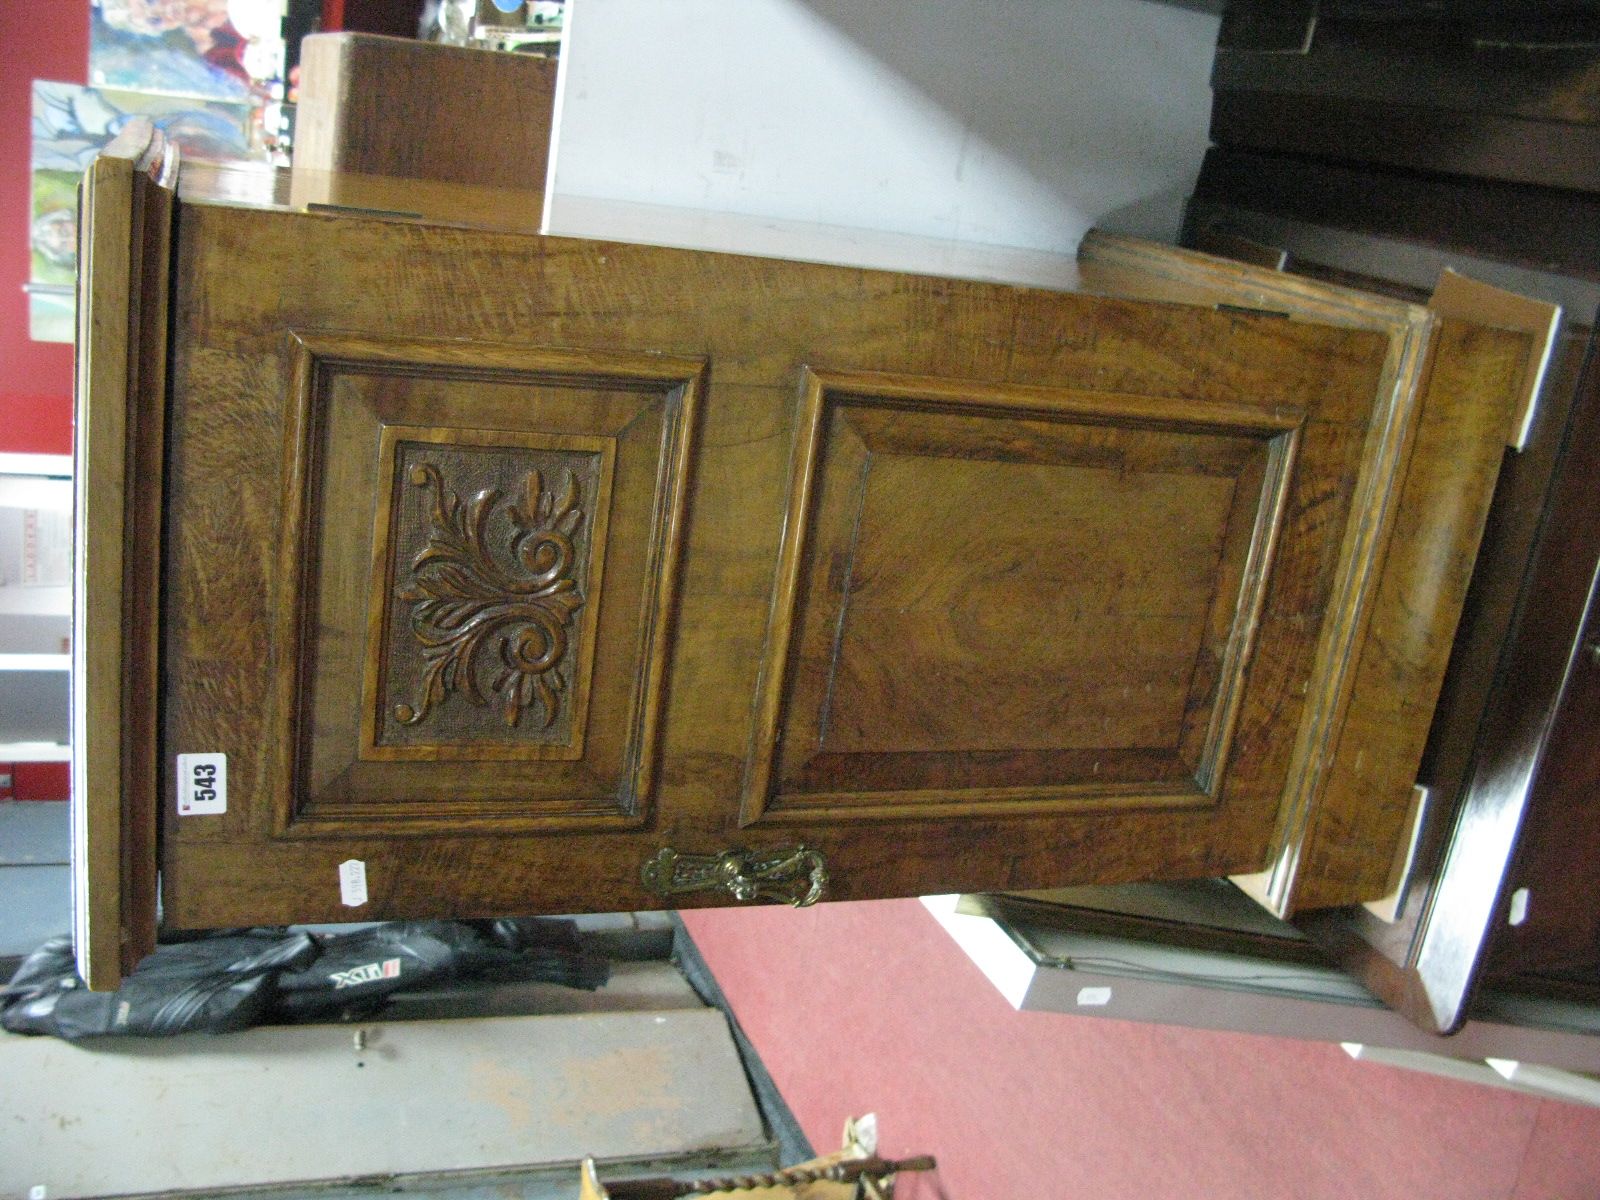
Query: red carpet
870, 1007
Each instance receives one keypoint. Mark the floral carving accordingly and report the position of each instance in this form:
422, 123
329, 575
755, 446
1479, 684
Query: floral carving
469, 606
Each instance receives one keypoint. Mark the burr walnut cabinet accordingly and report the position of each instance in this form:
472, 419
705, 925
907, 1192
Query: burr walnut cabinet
496, 573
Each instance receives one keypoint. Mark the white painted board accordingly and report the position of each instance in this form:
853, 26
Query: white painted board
1019, 124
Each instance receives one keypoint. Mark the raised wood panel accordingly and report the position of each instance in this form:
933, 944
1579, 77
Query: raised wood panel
1006, 596
485, 581
480, 607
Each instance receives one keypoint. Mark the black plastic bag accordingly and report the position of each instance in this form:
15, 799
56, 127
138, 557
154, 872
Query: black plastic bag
358, 971
218, 984
234, 979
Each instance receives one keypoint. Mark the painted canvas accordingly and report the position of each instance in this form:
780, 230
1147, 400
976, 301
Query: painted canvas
70, 125
53, 226
52, 312
229, 50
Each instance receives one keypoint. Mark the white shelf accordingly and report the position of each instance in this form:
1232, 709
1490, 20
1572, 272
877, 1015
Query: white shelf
54, 465
35, 662
35, 752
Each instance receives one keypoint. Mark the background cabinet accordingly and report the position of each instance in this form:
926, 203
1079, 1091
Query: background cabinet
1493, 896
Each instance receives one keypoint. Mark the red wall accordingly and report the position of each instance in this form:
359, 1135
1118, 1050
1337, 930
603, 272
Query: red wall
41, 781
40, 41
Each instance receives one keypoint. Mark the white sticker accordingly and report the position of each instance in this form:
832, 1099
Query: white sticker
1093, 997
202, 785
353, 882
1519, 907
373, 972
38, 1192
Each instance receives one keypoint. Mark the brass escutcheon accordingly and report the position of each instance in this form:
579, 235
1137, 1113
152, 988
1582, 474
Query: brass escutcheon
792, 875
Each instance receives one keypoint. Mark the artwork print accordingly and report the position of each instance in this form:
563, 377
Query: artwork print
228, 50
71, 124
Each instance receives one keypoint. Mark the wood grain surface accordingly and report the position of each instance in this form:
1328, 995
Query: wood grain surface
404, 109
1444, 406
126, 211
1181, 399
1473, 384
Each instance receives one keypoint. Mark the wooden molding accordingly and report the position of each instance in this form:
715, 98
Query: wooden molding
126, 210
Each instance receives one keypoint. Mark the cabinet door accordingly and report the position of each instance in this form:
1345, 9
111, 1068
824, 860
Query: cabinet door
502, 565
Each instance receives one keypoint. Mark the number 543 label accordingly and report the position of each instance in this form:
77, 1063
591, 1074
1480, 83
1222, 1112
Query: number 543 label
202, 784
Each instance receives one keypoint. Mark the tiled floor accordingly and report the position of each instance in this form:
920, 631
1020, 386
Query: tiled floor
870, 1007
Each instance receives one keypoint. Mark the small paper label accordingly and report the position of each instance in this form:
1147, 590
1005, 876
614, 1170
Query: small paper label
374, 972
38, 1192
202, 785
1093, 997
1519, 907
353, 882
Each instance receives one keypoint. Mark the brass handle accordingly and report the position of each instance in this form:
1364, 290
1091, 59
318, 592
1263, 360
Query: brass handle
791, 875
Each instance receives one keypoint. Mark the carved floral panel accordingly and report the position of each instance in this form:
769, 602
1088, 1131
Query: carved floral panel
485, 588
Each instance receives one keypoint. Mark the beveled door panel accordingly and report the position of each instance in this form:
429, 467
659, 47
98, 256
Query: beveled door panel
479, 601
997, 597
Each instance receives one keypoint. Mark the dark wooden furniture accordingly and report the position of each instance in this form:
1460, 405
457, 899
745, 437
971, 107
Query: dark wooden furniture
1510, 755
1504, 93
1557, 930
513, 573
1504, 887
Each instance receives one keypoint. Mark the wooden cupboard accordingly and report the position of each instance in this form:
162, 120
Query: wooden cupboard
539, 574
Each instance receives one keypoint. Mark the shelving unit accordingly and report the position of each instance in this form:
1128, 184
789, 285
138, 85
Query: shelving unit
35, 608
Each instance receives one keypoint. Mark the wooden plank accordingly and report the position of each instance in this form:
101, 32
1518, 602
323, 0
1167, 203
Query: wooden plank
121, 383
1457, 295
1427, 95
467, 139
1471, 390
1542, 227
1508, 148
